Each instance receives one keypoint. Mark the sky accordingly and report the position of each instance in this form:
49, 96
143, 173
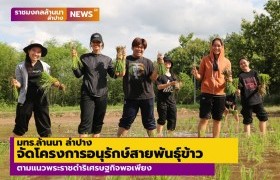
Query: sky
160, 22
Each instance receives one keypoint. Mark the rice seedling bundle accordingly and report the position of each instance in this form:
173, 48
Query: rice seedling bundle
15, 92
235, 82
229, 87
160, 65
47, 81
120, 61
76, 62
264, 82
232, 111
14, 89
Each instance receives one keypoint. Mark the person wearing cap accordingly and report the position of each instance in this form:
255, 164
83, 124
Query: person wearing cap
94, 91
166, 103
138, 90
31, 97
212, 98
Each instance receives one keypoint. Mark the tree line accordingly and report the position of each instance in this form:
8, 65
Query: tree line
258, 40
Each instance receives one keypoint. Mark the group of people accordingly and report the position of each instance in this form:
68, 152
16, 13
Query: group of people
138, 86
213, 98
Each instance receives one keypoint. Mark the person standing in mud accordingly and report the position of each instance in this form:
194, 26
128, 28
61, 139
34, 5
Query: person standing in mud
212, 98
94, 91
166, 103
251, 101
31, 97
138, 90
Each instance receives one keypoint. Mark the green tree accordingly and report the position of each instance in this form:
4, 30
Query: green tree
185, 94
188, 54
262, 37
235, 48
59, 58
115, 91
9, 58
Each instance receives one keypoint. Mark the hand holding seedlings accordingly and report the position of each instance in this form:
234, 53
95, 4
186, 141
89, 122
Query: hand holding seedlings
76, 62
120, 61
160, 64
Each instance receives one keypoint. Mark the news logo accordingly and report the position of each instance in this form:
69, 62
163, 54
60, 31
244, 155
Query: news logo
55, 14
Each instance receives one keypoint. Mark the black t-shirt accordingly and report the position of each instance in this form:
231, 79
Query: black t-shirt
136, 82
166, 94
94, 71
34, 74
248, 84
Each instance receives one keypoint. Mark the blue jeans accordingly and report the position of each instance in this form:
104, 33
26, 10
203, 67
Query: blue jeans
130, 110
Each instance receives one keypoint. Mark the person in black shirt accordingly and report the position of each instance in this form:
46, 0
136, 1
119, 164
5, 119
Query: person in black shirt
138, 90
94, 90
32, 97
251, 100
166, 103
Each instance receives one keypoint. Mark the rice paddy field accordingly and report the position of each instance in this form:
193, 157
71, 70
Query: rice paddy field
259, 157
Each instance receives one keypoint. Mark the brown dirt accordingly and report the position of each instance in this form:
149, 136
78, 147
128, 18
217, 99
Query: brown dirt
65, 125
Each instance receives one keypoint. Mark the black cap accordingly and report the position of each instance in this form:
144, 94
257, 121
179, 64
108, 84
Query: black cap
96, 37
36, 44
166, 58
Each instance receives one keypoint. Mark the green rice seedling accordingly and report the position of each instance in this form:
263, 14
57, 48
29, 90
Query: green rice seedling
235, 82
164, 178
76, 62
266, 176
231, 127
118, 178
223, 172
47, 81
19, 178
247, 174
264, 82
15, 92
161, 69
160, 65
256, 148
14, 89
243, 173
4, 149
120, 61
229, 88
274, 138
234, 112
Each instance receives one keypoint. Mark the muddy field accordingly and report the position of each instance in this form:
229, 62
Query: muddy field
264, 165
65, 124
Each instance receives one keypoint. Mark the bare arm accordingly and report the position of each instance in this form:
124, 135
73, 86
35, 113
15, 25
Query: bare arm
163, 86
196, 74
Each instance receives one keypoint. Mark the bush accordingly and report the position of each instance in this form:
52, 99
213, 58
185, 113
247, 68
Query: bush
185, 94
